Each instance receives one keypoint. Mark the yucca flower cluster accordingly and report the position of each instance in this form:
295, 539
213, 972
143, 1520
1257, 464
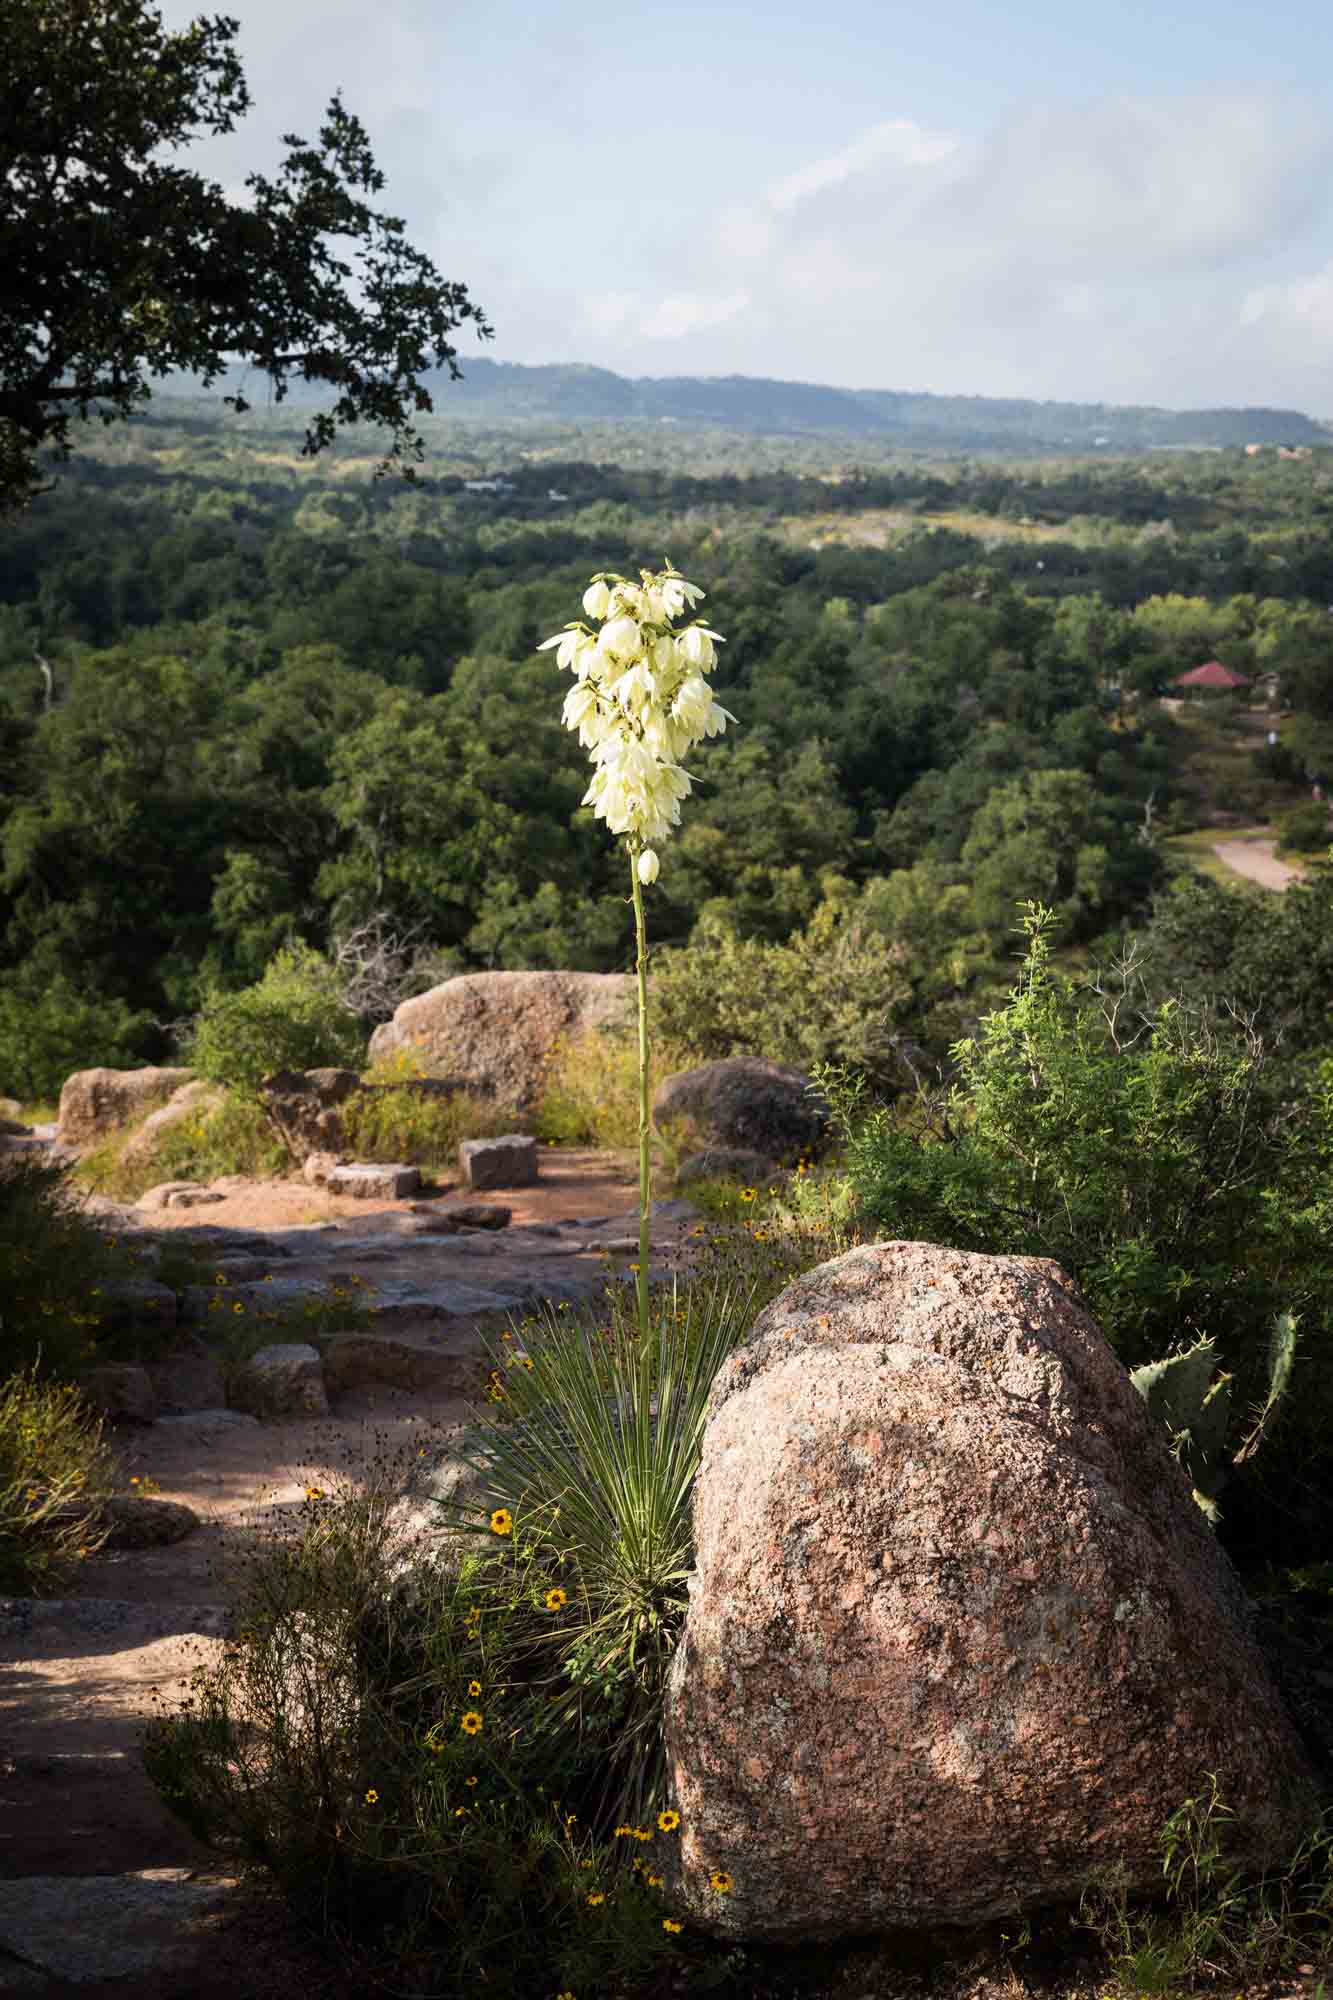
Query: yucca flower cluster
641, 699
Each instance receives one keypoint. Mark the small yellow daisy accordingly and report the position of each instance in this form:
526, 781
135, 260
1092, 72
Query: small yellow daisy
669, 1924
474, 1687
470, 1781
721, 1881
668, 1821
556, 1599
502, 1521
461, 1812
372, 1797
748, 1194
471, 1723
314, 1493
595, 1897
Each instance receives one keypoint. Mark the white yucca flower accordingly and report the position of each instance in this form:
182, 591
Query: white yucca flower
640, 702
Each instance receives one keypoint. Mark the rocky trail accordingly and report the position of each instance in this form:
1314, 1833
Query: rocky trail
102, 1889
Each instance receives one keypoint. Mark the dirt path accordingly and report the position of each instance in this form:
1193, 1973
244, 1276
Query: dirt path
1257, 861
98, 1880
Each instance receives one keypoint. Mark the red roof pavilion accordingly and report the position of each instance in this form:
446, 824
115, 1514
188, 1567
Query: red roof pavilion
1212, 674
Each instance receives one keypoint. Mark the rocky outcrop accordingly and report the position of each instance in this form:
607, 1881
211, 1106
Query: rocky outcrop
96, 1102
192, 1100
305, 1107
747, 1103
495, 1032
958, 1634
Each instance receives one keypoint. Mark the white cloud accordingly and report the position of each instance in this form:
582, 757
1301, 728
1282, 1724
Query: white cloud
899, 140
1111, 249
691, 312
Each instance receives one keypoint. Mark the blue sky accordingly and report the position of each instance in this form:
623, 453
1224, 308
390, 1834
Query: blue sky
1123, 202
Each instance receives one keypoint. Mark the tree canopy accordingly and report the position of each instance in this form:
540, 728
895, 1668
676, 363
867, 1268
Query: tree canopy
121, 265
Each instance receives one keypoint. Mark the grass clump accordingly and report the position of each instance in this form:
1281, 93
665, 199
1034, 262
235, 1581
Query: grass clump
229, 1135
402, 1113
590, 1090
1218, 1921
55, 1471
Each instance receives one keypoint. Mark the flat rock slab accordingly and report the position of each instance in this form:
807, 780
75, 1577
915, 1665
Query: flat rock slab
93, 1927
202, 1425
119, 1618
374, 1183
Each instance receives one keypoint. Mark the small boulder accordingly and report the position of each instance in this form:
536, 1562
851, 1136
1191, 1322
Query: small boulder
507, 1162
370, 1182
188, 1378
95, 1102
122, 1391
282, 1380
495, 1032
958, 1632
726, 1163
177, 1194
319, 1167
747, 1103
137, 1302
138, 1521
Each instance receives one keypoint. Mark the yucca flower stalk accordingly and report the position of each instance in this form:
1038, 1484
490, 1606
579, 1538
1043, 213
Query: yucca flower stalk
640, 701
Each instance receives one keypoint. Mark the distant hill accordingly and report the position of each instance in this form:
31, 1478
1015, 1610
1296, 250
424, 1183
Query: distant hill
572, 393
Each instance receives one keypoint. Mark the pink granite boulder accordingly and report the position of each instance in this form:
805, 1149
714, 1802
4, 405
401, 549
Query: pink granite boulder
958, 1636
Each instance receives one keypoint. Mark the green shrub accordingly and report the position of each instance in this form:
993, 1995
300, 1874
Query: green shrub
294, 1018
723, 995
329, 1746
329, 1743
54, 1473
1305, 830
49, 1027
1183, 1182
53, 1261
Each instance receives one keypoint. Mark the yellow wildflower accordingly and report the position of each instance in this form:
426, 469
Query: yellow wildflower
502, 1521
668, 1821
471, 1723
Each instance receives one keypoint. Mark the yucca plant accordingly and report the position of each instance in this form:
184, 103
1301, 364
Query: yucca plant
586, 1478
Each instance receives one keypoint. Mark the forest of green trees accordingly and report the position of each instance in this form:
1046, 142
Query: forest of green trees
245, 700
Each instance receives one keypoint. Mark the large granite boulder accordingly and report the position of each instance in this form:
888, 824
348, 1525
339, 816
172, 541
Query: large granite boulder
745, 1103
958, 1634
494, 1032
95, 1102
